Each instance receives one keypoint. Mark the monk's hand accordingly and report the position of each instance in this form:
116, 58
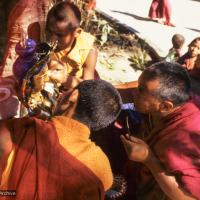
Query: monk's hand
136, 149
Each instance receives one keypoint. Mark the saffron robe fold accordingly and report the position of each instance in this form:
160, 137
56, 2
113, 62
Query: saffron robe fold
43, 169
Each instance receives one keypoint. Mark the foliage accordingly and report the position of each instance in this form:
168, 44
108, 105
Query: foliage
139, 59
105, 33
103, 30
92, 23
108, 63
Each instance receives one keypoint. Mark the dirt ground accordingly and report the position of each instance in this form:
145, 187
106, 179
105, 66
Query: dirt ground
115, 67
116, 45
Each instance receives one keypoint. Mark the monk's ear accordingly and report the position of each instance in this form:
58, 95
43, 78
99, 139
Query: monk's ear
166, 106
77, 32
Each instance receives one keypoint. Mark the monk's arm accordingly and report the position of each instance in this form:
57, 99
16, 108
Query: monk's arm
167, 182
90, 64
137, 150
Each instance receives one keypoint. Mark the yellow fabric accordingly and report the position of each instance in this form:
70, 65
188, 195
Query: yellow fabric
75, 59
6, 171
74, 137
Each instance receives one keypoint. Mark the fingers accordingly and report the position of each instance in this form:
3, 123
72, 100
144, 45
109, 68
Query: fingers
126, 141
132, 139
136, 149
123, 139
127, 144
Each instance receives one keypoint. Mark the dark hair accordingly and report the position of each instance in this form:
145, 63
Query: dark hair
174, 81
99, 104
64, 11
194, 41
178, 41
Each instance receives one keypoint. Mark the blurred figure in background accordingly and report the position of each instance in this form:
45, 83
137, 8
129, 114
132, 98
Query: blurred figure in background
161, 11
191, 59
176, 51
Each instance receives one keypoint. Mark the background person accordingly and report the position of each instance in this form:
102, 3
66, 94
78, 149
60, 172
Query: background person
191, 59
176, 51
160, 10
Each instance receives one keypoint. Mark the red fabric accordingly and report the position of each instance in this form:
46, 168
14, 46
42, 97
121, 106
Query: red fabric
196, 99
177, 145
160, 9
22, 22
42, 169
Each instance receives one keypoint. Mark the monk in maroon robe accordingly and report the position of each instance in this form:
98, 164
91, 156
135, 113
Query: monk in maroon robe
169, 166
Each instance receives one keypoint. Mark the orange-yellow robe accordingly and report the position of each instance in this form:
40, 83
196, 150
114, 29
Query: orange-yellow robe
53, 160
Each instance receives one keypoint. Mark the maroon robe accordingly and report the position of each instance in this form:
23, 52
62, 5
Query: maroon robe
176, 143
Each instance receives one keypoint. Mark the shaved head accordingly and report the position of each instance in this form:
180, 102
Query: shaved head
65, 15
